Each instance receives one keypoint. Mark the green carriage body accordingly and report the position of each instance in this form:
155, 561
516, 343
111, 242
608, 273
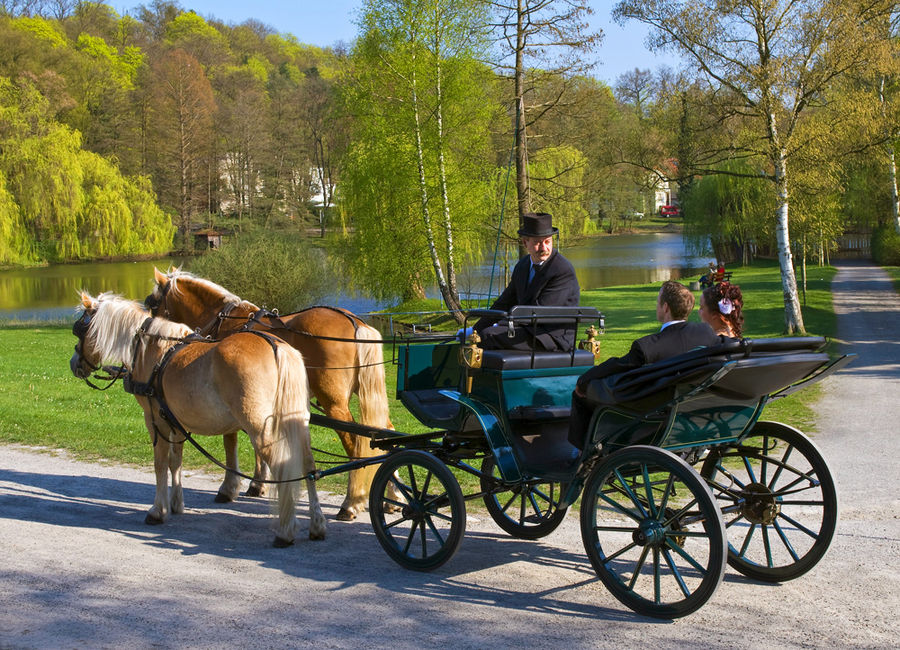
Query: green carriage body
653, 526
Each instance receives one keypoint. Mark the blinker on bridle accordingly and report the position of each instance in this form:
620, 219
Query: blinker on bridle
80, 329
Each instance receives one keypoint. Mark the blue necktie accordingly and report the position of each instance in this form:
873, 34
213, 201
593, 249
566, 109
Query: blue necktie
531, 273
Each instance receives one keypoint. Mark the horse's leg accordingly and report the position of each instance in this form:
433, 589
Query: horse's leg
258, 488
231, 485
358, 480
176, 497
159, 511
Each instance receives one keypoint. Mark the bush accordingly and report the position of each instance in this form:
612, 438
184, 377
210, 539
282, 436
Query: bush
886, 246
273, 270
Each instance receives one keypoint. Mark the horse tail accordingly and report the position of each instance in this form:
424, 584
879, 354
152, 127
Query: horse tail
373, 402
292, 448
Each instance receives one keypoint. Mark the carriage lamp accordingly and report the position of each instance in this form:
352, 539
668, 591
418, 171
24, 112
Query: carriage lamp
470, 357
591, 343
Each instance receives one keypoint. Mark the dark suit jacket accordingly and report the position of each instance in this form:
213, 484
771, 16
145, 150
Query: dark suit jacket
554, 284
673, 340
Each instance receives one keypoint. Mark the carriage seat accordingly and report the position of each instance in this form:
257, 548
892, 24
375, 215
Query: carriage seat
757, 368
525, 360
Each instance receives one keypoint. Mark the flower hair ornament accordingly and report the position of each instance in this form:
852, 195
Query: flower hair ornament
725, 304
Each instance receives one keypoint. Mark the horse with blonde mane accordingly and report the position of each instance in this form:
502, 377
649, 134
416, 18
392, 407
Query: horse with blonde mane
343, 356
249, 381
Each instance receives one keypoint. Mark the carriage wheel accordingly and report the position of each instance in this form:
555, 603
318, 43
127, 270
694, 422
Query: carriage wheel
778, 500
425, 527
653, 532
525, 510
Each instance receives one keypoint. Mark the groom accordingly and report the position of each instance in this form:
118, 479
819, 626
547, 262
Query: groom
674, 304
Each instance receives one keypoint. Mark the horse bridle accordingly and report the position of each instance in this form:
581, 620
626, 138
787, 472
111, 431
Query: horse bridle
80, 329
211, 329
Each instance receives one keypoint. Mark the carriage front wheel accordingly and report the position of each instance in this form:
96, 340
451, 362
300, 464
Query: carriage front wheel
422, 528
525, 510
653, 532
778, 500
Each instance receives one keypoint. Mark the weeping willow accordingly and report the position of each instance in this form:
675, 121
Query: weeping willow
59, 202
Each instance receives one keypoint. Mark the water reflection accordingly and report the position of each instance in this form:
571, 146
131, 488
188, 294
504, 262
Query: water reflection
51, 292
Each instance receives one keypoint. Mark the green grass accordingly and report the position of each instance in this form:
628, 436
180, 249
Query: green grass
42, 404
894, 273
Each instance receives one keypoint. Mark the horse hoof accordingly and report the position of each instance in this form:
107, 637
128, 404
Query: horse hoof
316, 536
223, 498
253, 491
280, 542
345, 515
152, 520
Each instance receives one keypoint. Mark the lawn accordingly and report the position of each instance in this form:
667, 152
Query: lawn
43, 405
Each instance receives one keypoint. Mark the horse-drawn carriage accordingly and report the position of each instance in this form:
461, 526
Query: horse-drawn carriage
677, 474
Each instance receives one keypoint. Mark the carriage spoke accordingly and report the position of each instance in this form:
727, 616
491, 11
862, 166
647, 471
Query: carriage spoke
747, 540
664, 502
785, 541
630, 494
615, 504
648, 488
749, 469
638, 566
657, 585
767, 546
534, 504
798, 525
684, 554
783, 464
676, 573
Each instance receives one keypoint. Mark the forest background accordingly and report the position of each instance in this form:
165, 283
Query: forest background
416, 149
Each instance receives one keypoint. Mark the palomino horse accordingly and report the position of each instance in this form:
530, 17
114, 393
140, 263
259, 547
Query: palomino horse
249, 381
343, 356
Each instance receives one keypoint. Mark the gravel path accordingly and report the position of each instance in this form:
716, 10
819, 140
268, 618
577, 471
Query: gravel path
81, 570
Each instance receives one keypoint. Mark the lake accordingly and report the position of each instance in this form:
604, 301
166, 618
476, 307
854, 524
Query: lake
50, 293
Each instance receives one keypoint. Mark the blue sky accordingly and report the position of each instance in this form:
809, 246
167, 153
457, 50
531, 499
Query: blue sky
325, 22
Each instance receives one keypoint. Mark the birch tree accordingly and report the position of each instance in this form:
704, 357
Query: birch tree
416, 72
775, 60
539, 40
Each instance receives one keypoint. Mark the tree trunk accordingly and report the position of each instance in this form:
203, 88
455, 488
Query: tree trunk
892, 168
426, 215
895, 200
793, 316
522, 185
452, 297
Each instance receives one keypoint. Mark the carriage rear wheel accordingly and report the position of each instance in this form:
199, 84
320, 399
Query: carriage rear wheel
422, 528
778, 500
526, 510
653, 532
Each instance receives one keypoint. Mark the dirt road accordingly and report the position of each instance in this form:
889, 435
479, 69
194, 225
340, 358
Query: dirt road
81, 569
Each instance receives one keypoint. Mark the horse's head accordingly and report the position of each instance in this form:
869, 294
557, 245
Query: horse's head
185, 298
156, 301
85, 361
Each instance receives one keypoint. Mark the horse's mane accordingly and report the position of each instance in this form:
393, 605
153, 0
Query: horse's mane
224, 294
117, 319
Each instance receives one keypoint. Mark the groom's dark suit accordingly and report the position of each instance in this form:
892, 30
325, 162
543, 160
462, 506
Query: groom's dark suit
674, 339
554, 283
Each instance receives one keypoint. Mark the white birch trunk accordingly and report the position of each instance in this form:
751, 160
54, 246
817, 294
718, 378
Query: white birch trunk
452, 298
793, 316
423, 189
892, 167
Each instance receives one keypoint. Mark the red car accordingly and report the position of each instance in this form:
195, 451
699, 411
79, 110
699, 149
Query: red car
669, 211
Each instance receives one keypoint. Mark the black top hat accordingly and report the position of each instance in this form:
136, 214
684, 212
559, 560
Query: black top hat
537, 224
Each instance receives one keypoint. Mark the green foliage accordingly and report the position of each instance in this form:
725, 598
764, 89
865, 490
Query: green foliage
278, 271
886, 246
60, 202
557, 175
398, 68
727, 208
